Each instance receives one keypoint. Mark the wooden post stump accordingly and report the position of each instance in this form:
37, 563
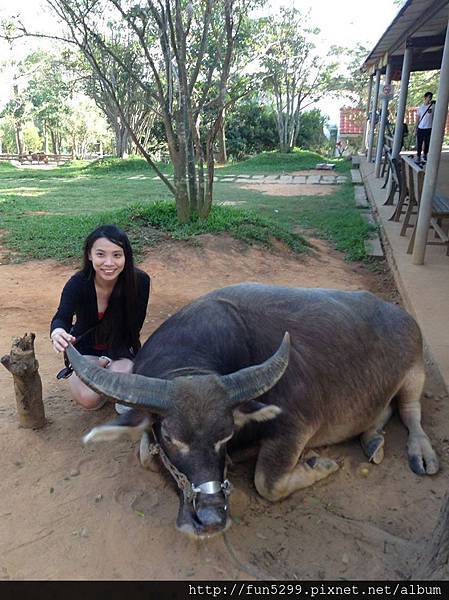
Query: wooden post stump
22, 363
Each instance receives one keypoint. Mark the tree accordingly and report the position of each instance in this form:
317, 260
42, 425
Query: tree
127, 97
311, 131
420, 83
352, 83
187, 51
295, 75
87, 127
48, 89
17, 111
251, 128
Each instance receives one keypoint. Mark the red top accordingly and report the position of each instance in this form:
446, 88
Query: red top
100, 346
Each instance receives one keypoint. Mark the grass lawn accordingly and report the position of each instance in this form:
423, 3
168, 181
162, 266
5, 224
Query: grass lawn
48, 213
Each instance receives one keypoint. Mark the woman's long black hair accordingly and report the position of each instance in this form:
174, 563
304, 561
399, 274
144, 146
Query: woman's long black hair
118, 328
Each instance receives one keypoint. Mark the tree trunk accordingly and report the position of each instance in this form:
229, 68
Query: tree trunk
121, 141
22, 363
19, 138
222, 157
53, 142
434, 563
45, 138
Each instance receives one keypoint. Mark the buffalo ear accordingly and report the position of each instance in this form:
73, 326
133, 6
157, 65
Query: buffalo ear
253, 411
130, 425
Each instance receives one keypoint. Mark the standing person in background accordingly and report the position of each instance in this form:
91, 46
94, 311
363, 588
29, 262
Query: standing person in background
424, 116
108, 298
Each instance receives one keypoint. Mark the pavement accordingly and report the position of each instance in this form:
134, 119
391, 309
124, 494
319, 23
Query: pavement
334, 179
424, 288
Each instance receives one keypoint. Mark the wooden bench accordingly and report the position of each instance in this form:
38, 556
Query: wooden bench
396, 179
413, 181
388, 144
414, 176
33, 158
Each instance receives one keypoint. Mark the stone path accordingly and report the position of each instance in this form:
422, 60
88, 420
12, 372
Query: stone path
264, 179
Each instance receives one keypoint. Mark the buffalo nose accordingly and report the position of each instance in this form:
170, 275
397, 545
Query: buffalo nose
211, 518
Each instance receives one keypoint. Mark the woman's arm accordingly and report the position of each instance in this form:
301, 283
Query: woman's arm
62, 321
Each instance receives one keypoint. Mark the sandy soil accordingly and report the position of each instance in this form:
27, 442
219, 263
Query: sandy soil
70, 511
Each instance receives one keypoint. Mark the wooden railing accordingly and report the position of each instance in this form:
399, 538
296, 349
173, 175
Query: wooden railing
36, 158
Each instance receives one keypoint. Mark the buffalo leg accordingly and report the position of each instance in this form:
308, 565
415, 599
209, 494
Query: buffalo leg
279, 474
421, 456
372, 441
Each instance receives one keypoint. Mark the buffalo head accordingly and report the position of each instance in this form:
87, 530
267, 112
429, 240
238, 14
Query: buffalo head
196, 415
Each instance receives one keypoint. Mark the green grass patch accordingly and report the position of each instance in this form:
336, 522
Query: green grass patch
333, 217
131, 165
48, 236
276, 162
48, 213
242, 224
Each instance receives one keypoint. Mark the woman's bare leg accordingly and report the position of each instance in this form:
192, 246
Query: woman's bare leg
86, 397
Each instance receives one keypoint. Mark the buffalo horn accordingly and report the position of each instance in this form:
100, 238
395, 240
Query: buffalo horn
127, 388
254, 381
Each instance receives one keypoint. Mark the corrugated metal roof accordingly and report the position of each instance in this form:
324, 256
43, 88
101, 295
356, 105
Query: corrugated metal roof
416, 19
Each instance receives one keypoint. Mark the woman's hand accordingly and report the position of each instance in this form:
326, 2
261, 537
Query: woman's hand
61, 339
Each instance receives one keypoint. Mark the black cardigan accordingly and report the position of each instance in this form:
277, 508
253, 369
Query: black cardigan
79, 299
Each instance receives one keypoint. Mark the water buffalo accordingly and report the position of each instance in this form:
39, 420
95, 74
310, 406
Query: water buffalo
224, 366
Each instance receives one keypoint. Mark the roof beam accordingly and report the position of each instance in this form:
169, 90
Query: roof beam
427, 41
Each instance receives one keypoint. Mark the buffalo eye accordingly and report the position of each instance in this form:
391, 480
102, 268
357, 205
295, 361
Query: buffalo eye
173, 442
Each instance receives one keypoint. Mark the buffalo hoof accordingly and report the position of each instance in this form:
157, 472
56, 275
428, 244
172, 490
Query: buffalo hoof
324, 465
374, 448
421, 456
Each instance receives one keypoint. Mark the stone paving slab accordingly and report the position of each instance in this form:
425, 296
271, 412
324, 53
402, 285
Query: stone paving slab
374, 248
361, 200
327, 179
356, 176
296, 179
368, 217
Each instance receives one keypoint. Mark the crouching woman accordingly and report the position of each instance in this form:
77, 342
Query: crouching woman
102, 309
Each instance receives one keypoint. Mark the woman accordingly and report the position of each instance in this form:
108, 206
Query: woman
109, 298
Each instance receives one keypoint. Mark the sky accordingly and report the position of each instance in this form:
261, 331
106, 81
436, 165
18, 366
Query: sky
342, 22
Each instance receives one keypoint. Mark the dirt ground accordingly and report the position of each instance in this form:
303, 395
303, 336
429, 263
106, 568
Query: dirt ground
70, 511
290, 189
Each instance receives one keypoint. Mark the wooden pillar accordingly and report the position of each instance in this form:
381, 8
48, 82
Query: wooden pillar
405, 79
433, 158
365, 125
373, 116
383, 122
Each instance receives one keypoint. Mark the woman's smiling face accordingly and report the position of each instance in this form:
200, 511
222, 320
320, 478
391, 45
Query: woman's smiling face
108, 259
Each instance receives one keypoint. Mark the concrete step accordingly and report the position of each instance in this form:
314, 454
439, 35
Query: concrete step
356, 176
374, 248
368, 217
361, 201
355, 160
